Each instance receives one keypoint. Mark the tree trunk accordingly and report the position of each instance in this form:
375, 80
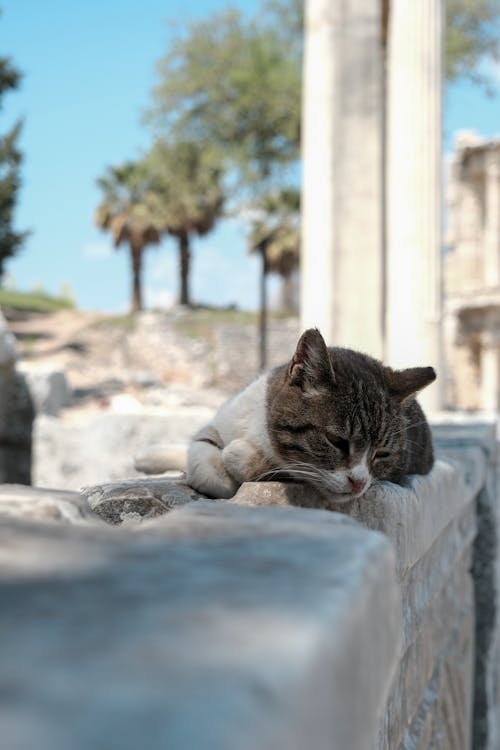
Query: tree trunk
136, 258
263, 309
184, 259
288, 293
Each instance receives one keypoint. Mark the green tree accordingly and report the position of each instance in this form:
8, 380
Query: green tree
472, 38
126, 212
10, 160
187, 196
233, 82
472, 33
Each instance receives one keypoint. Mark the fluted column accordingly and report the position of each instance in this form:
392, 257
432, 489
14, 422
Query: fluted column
414, 187
342, 202
317, 267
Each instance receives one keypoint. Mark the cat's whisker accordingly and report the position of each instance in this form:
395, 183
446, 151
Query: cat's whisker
300, 470
296, 470
405, 429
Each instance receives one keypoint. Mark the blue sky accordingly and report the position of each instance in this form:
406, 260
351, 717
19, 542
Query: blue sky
88, 72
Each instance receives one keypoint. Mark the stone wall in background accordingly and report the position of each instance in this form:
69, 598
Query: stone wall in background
222, 354
16, 414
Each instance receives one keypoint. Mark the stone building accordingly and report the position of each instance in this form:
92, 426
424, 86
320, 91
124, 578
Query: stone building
472, 275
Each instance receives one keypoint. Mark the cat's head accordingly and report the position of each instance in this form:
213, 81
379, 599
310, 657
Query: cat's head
338, 419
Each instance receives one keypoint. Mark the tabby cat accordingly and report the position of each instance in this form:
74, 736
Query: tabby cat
333, 418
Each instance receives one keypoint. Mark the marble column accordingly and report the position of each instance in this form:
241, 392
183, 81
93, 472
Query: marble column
342, 202
489, 373
414, 187
492, 218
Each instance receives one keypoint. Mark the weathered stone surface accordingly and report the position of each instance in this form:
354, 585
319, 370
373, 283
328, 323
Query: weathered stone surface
48, 386
102, 449
35, 504
432, 523
412, 516
135, 500
16, 414
217, 627
216, 566
440, 564
454, 438
16, 422
446, 627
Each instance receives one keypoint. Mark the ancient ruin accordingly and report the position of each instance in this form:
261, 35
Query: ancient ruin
370, 261
472, 275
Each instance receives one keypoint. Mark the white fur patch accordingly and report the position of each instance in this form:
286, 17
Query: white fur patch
241, 424
245, 417
339, 480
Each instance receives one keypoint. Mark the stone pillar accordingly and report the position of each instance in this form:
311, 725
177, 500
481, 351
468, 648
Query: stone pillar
490, 372
492, 218
414, 187
342, 202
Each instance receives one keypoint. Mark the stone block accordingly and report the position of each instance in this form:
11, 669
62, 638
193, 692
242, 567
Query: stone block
137, 500
48, 386
444, 639
16, 422
412, 516
35, 504
102, 449
217, 627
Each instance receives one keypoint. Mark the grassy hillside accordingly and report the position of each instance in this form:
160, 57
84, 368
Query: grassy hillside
33, 301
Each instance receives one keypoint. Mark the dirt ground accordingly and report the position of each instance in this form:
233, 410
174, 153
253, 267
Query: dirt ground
105, 358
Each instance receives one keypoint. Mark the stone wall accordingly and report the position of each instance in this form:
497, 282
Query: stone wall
241, 625
432, 525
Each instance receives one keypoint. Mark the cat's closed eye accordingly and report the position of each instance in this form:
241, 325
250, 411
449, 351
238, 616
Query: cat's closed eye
337, 442
381, 454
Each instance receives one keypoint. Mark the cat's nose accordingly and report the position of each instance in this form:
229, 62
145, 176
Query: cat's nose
357, 485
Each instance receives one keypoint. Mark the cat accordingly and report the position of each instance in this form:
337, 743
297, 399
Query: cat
333, 418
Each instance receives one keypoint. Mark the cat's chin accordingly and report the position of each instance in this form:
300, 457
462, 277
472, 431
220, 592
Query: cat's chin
340, 498
336, 498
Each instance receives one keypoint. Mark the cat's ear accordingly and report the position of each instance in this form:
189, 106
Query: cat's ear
310, 366
405, 384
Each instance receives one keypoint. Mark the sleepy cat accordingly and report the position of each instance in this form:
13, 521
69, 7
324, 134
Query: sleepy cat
333, 418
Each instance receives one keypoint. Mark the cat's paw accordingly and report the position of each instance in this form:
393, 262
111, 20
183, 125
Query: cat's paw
239, 458
206, 472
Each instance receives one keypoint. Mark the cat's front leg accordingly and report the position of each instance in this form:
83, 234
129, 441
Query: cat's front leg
243, 461
206, 471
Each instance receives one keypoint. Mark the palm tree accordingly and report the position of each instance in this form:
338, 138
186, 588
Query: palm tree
275, 234
127, 213
188, 196
276, 228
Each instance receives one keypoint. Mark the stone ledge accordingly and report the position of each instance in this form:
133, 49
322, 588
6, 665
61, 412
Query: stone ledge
412, 516
226, 628
37, 504
135, 500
